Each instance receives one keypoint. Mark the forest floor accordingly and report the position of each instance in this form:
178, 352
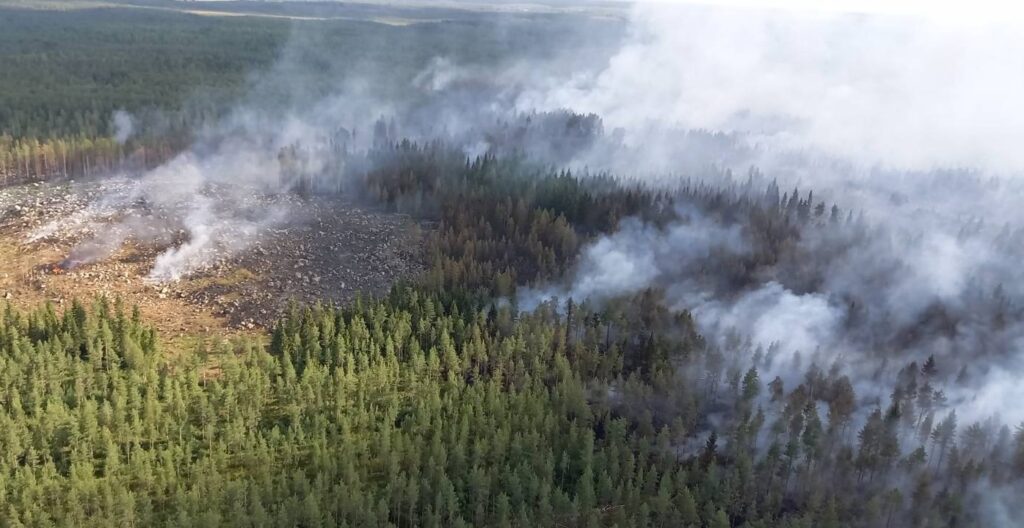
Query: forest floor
331, 252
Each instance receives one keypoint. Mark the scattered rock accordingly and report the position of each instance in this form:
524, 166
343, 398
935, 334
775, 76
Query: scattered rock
330, 250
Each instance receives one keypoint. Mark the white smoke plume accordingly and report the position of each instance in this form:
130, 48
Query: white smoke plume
908, 121
639, 256
124, 126
236, 177
208, 202
842, 103
905, 91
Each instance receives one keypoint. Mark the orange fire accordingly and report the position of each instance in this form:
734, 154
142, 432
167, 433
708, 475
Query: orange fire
56, 270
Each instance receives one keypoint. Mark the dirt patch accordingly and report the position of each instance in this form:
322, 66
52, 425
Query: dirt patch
331, 251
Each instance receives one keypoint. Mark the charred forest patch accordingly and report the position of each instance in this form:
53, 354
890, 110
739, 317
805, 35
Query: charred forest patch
332, 252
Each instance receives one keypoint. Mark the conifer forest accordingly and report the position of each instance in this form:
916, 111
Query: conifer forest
560, 263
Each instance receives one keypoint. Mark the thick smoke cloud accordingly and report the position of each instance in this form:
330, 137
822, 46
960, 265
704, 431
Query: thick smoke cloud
907, 91
847, 293
839, 103
908, 123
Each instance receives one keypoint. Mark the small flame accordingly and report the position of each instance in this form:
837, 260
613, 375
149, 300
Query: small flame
67, 264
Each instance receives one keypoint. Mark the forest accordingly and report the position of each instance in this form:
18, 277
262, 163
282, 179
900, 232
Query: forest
69, 72
440, 405
584, 346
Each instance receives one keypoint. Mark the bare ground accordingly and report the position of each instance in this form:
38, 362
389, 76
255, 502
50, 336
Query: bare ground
330, 252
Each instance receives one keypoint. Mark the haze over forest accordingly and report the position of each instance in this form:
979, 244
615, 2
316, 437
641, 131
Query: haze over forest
710, 264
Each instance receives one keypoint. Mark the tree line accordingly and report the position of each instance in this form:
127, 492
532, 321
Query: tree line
441, 404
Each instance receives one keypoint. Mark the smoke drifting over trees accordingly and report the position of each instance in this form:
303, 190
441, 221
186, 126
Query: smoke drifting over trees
830, 200
908, 122
907, 91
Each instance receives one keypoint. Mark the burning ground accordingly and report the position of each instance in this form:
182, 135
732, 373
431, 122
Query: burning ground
78, 240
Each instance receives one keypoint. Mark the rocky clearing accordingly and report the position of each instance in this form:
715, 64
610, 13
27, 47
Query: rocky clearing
329, 249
